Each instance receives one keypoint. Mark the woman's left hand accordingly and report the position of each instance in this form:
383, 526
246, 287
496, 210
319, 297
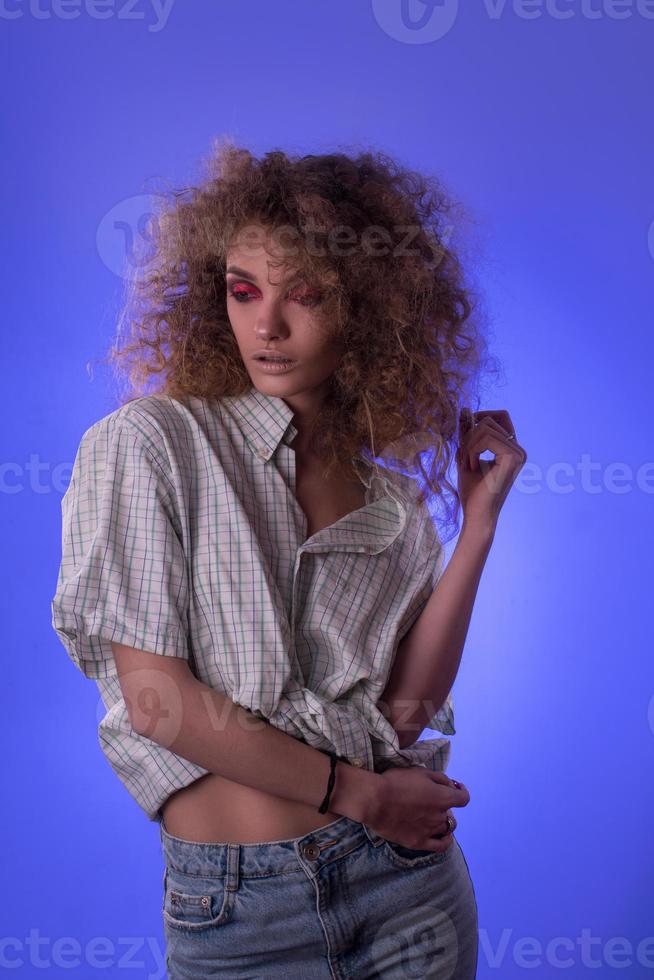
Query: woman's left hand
483, 484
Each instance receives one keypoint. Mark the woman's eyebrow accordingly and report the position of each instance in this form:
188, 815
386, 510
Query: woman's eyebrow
241, 272
292, 277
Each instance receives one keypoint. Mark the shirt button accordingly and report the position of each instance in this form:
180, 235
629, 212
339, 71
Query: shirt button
357, 761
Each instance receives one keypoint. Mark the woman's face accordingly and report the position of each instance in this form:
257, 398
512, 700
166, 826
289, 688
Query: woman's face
271, 308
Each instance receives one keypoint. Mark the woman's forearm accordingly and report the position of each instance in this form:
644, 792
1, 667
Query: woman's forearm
428, 657
205, 727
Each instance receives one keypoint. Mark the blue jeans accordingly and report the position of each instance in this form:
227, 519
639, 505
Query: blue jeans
339, 903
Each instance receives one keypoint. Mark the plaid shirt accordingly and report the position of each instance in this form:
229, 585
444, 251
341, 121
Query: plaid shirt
182, 536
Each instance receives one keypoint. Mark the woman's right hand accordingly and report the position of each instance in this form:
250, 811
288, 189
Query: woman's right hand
412, 804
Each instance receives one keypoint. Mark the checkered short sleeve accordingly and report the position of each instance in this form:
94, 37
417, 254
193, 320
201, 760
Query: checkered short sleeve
123, 573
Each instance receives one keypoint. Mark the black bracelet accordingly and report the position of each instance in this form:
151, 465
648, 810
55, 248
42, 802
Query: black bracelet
334, 758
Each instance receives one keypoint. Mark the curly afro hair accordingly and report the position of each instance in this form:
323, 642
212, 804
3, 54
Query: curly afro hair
375, 239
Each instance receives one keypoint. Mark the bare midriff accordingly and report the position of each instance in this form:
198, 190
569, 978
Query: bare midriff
214, 809
218, 810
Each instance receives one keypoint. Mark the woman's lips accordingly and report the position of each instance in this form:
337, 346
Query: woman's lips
274, 367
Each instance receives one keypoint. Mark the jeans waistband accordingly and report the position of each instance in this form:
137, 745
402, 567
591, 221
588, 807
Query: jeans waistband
311, 850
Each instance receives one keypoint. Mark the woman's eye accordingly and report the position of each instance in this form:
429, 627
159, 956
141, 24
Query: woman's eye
240, 294
243, 294
307, 299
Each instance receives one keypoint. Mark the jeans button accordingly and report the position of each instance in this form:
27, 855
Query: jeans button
311, 851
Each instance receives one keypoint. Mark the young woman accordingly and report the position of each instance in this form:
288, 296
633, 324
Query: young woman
252, 576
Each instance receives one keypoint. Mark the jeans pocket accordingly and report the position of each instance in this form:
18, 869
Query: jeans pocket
194, 903
408, 857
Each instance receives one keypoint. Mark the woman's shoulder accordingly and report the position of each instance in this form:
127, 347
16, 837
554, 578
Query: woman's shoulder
169, 428
152, 415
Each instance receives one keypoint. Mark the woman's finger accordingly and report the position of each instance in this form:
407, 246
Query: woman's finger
440, 777
448, 827
469, 426
455, 822
499, 445
495, 425
488, 424
499, 415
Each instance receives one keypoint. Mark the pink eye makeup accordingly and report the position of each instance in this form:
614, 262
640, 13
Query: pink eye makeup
243, 292
308, 298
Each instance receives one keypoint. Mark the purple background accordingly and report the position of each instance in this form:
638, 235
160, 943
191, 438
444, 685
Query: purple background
537, 118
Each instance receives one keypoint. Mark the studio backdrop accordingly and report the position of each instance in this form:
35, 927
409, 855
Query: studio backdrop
537, 118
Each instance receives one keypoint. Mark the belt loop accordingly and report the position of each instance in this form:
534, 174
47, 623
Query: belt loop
233, 866
375, 839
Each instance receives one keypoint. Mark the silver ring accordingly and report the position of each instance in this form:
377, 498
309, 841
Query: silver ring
450, 825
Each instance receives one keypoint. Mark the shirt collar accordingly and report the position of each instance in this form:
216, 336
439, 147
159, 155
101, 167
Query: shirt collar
265, 420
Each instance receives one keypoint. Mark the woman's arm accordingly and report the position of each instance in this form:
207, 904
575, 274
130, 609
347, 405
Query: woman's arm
169, 705
166, 703
428, 657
